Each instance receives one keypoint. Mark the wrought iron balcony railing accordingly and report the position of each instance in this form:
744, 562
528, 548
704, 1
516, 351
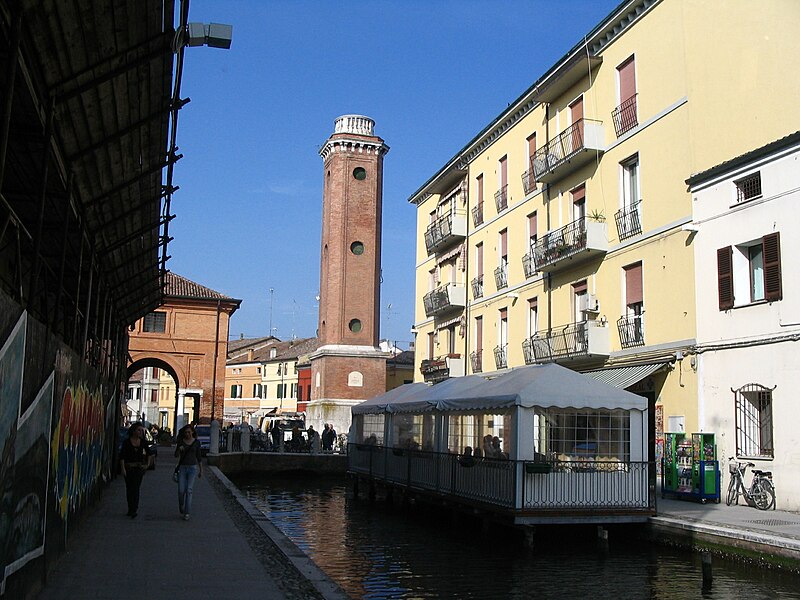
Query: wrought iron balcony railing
501, 198
528, 265
586, 338
624, 116
629, 221
440, 368
501, 277
560, 244
501, 356
528, 180
631, 331
562, 154
476, 358
445, 230
443, 299
477, 287
477, 214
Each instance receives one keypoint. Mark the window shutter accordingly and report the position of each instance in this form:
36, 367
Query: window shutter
725, 277
772, 267
633, 284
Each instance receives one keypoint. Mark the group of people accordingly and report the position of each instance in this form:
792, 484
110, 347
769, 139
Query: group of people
136, 456
490, 448
312, 442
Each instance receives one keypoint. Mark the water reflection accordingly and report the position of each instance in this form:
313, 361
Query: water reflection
383, 551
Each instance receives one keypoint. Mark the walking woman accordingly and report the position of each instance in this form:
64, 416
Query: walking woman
189, 467
134, 459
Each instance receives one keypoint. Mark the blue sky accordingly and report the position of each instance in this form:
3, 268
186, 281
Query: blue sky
431, 74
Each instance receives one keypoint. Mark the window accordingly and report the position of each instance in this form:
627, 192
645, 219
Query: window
579, 203
528, 180
753, 405
258, 370
501, 272
477, 355
155, 373
748, 188
631, 332
155, 322
628, 218
533, 316
430, 345
451, 339
579, 293
154, 396
369, 429
579, 434
236, 390
625, 116
473, 431
273, 352
294, 390
630, 181
257, 390
754, 266
477, 210
501, 197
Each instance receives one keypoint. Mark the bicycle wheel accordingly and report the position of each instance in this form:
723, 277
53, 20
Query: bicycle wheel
769, 490
731, 492
762, 498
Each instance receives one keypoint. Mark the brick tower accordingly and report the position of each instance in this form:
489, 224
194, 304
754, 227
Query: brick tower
348, 367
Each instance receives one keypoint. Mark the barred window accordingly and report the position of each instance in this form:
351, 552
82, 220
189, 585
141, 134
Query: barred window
155, 322
573, 434
748, 188
753, 405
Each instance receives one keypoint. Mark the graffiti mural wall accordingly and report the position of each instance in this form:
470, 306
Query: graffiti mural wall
57, 419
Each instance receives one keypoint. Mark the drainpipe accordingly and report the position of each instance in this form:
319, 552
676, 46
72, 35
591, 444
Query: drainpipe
214, 372
547, 215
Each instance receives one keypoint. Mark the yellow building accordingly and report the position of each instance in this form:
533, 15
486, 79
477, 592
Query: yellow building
562, 231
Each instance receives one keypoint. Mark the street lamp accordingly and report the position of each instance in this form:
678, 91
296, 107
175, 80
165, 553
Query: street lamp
213, 35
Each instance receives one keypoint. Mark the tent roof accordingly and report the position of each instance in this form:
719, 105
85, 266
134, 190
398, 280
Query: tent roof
543, 386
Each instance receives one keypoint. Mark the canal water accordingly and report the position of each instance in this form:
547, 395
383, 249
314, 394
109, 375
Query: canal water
379, 550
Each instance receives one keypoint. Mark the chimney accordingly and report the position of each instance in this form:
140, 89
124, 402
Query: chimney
250, 355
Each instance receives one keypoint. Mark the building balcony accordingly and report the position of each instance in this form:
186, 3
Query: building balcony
528, 181
446, 230
501, 356
528, 265
445, 298
501, 277
631, 331
624, 116
587, 339
577, 145
477, 214
629, 222
477, 287
438, 369
476, 359
501, 198
580, 240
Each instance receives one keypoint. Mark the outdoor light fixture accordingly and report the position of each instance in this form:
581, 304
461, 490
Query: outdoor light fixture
215, 35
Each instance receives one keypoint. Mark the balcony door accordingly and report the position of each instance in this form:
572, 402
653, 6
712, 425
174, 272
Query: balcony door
576, 118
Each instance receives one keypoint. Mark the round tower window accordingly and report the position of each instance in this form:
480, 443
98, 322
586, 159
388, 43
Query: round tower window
355, 325
360, 173
357, 248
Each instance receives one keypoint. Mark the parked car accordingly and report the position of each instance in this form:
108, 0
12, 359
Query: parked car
204, 435
149, 440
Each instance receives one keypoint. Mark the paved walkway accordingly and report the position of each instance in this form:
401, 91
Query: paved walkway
778, 529
219, 553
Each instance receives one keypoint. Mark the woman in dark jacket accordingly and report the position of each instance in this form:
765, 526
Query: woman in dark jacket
134, 459
189, 467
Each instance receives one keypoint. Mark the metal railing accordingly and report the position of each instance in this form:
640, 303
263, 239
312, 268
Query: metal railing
501, 277
559, 244
477, 214
528, 180
631, 331
440, 231
476, 359
437, 301
560, 148
501, 356
477, 287
607, 485
628, 221
559, 342
528, 265
501, 198
624, 116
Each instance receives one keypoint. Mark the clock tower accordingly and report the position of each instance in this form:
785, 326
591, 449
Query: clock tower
349, 367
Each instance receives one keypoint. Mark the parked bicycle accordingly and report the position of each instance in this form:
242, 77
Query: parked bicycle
761, 492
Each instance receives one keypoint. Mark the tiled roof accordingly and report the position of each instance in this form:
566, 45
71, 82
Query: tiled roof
178, 286
406, 357
287, 350
239, 346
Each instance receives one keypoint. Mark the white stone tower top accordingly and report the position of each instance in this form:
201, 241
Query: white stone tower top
357, 124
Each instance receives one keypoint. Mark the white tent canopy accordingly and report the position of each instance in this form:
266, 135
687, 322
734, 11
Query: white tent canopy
544, 386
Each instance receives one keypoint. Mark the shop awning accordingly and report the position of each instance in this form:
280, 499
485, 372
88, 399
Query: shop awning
624, 377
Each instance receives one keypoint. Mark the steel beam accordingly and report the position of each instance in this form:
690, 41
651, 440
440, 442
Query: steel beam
8, 101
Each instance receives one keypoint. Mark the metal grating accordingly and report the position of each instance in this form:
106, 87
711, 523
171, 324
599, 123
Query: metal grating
773, 522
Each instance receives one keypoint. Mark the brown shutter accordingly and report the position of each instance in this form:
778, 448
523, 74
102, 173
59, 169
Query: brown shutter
533, 225
479, 252
503, 171
478, 334
633, 284
772, 267
725, 277
504, 243
580, 287
531, 145
479, 183
627, 80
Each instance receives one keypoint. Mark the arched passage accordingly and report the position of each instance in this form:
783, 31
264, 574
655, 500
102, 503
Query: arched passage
159, 363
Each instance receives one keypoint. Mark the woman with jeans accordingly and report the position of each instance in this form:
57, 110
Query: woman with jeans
190, 466
134, 458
